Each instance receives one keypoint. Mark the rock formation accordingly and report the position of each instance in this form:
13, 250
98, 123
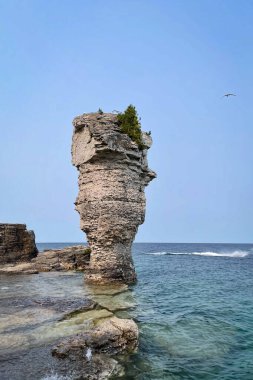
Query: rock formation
16, 243
113, 172
68, 258
113, 336
98, 348
65, 259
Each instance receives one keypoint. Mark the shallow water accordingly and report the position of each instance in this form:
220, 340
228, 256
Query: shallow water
193, 304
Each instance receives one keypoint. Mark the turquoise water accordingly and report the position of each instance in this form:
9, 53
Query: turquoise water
195, 312
194, 308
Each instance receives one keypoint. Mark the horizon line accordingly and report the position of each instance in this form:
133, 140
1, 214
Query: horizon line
140, 242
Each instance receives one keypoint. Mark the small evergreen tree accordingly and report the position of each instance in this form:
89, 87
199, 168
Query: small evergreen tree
100, 111
130, 124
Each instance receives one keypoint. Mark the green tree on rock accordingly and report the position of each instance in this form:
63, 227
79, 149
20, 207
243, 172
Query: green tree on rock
129, 124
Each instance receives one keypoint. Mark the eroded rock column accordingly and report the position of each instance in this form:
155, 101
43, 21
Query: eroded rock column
113, 173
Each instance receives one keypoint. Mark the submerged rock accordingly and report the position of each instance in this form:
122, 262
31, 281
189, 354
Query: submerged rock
17, 244
113, 172
68, 307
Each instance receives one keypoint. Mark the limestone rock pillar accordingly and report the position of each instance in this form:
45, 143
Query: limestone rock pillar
113, 173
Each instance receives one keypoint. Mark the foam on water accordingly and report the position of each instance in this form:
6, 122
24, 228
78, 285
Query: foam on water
222, 254
234, 254
89, 354
157, 253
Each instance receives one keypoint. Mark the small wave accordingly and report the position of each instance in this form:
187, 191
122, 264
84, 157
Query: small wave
222, 254
157, 253
211, 254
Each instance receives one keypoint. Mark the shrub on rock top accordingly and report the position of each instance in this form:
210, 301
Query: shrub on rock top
129, 123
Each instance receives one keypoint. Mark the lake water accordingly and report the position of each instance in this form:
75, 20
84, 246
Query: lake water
193, 305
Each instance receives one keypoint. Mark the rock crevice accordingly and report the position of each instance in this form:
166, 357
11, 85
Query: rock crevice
113, 173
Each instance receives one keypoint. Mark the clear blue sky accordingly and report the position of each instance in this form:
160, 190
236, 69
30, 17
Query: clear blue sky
173, 60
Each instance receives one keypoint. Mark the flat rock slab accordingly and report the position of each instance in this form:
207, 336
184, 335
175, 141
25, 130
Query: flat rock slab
23, 268
64, 307
66, 259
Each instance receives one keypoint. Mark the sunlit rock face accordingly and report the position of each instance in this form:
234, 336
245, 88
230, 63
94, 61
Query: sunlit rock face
16, 243
113, 173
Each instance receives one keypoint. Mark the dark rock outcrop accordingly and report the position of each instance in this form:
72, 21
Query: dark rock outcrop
113, 172
16, 243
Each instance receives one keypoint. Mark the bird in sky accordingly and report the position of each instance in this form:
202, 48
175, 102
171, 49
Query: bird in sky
227, 95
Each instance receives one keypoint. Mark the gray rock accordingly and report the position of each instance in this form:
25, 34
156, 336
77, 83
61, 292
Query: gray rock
112, 337
68, 258
100, 367
16, 243
113, 173
94, 349
20, 268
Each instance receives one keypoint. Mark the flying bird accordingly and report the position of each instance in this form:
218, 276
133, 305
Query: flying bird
227, 95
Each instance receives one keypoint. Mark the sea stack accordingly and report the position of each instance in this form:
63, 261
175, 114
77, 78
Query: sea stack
113, 172
16, 243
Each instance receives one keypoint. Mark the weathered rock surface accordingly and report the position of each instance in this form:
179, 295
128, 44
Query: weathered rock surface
95, 348
113, 336
113, 173
100, 367
16, 243
69, 258
20, 268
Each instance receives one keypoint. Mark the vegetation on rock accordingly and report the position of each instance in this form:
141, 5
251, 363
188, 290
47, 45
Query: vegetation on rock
87, 251
130, 124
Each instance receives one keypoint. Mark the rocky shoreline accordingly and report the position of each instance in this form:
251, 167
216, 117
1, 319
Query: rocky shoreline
69, 258
83, 334
96, 337
98, 348
113, 173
